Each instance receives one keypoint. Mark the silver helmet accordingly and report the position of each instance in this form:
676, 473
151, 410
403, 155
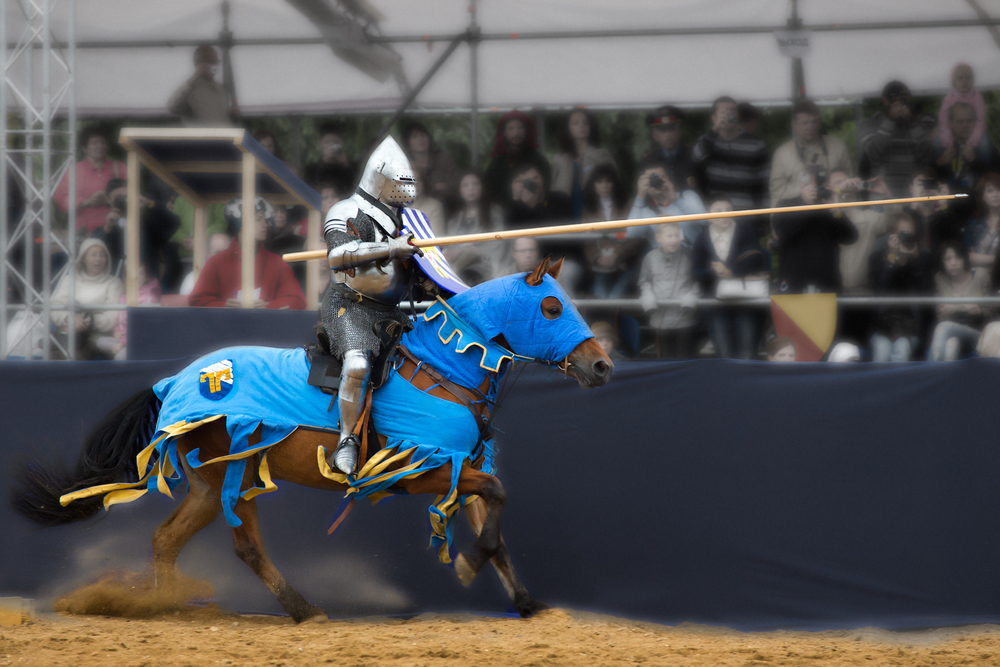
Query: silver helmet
388, 176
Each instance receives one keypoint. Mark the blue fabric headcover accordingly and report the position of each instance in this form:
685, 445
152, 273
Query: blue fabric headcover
512, 307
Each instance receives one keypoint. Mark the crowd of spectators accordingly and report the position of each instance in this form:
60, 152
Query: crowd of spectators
932, 248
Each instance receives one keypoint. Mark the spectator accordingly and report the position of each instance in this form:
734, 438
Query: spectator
939, 221
607, 337
93, 173
283, 237
957, 330
844, 353
94, 285
523, 256
989, 341
749, 118
781, 349
656, 196
611, 258
531, 202
870, 222
427, 203
267, 141
963, 91
665, 128
157, 226
333, 165
810, 241
730, 161
896, 140
216, 244
533, 205
897, 267
982, 234
728, 249
808, 147
115, 346
666, 274
514, 147
201, 101
960, 163
581, 153
474, 262
440, 172
219, 284
330, 194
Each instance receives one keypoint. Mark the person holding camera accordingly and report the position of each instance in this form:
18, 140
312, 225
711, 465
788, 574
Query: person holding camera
657, 196
939, 221
809, 241
731, 162
897, 267
201, 101
514, 147
665, 130
809, 146
333, 166
896, 140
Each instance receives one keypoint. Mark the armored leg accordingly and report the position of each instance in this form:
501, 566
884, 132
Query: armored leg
353, 383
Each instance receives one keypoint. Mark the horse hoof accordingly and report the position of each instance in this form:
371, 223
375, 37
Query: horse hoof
466, 573
530, 607
318, 618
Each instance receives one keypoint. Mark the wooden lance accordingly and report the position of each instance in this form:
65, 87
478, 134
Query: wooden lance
619, 224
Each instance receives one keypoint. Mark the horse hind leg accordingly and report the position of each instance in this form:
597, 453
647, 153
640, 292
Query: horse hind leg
525, 604
198, 509
250, 549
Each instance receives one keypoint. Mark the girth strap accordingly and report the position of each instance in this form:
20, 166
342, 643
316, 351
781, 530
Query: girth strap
455, 390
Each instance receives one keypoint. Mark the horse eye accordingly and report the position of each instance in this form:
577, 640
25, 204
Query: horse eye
551, 307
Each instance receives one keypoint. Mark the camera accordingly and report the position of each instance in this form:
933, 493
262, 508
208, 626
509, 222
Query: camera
907, 240
120, 203
655, 181
530, 185
821, 177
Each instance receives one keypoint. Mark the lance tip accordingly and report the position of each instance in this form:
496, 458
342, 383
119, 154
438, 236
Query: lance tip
961, 196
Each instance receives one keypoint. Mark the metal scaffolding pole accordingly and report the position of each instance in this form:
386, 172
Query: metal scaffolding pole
35, 168
473, 86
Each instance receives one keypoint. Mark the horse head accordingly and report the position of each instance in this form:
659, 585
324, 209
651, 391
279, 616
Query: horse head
533, 317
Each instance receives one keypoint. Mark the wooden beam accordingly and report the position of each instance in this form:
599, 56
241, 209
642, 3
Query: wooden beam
212, 167
186, 133
314, 241
200, 240
154, 166
247, 242
132, 232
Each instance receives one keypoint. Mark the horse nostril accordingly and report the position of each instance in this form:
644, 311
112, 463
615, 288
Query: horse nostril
601, 368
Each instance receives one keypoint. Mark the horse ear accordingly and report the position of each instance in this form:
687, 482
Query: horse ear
556, 268
534, 279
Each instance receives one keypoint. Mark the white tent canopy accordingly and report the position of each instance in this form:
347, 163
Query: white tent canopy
598, 71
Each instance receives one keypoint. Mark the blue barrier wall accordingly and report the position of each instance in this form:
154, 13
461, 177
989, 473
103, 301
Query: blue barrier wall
742, 493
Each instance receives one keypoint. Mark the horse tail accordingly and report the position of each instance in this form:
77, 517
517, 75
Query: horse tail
108, 455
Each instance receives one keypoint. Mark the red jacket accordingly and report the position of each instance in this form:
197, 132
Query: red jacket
220, 280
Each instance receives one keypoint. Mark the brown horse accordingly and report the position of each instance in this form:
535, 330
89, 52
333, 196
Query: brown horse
110, 452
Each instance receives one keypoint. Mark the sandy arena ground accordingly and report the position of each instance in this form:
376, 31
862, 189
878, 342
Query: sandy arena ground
196, 637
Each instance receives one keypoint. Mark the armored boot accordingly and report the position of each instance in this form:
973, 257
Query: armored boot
353, 382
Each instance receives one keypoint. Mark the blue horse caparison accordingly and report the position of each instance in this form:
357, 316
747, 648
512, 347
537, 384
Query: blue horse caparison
257, 387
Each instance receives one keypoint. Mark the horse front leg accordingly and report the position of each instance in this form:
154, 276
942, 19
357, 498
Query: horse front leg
525, 604
490, 491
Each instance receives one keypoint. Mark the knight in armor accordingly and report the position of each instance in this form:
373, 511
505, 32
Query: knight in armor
367, 250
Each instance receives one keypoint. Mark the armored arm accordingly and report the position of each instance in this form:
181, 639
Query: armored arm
357, 253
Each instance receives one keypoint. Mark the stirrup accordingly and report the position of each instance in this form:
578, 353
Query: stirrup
345, 456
